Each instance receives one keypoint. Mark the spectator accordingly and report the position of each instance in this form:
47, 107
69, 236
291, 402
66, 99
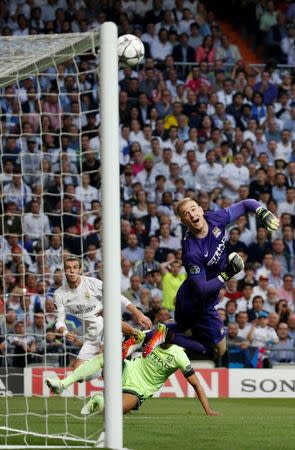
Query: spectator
244, 301
279, 189
280, 255
265, 268
139, 210
231, 310
161, 47
9, 323
172, 279
147, 264
284, 350
168, 241
287, 45
151, 220
147, 177
154, 283
286, 290
35, 224
162, 316
155, 307
90, 259
194, 81
38, 300
206, 51
234, 244
289, 205
260, 184
38, 330
257, 308
17, 191
268, 89
91, 165
291, 325
126, 272
283, 310
138, 295
261, 288
195, 37
274, 38
226, 52
271, 299
85, 193
210, 172
222, 317
57, 283
183, 52
53, 196
12, 220
233, 340
234, 175
244, 325
23, 346
137, 158
132, 251
273, 320
54, 252
262, 336
291, 175
11, 150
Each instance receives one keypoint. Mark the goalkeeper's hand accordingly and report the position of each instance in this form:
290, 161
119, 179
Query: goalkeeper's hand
268, 219
235, 265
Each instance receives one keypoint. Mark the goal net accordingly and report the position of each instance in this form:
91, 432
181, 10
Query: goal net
50, 207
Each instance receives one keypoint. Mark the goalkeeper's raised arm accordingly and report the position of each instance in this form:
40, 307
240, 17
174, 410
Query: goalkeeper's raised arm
268, 220
81, 296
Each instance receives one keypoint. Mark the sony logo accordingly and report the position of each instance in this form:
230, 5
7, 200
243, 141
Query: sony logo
267, 385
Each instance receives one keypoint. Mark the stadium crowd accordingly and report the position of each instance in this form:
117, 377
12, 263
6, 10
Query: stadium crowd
213, 128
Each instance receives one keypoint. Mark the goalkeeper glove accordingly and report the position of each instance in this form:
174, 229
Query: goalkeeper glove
268, 220
235, 265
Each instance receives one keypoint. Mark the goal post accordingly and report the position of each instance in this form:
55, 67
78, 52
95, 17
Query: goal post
111, 235
34, 56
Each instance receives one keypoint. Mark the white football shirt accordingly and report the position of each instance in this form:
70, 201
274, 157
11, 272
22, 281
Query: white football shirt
83, 302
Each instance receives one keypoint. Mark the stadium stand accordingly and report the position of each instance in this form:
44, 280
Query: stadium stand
205, 116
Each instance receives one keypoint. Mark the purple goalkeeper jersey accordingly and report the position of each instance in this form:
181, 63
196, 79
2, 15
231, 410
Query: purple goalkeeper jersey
207, 255
204, 259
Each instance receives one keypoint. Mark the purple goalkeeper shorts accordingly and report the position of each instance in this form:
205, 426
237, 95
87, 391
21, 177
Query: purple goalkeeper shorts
201, 318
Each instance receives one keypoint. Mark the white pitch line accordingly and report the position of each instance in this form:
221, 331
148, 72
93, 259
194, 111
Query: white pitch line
252, 418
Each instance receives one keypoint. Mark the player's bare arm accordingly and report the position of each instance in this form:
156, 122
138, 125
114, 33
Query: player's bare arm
194, 382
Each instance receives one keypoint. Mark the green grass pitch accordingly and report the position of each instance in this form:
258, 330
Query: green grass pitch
171, 423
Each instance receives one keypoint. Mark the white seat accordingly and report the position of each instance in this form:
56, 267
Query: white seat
287, 366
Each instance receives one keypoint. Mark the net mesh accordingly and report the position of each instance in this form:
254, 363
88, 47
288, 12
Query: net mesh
50, 208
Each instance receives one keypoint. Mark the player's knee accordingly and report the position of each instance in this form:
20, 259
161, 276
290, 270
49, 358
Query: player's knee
222, 351
77, 363
220, 348
126, 409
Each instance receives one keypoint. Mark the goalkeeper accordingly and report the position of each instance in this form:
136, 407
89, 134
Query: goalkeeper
208, 267
142, 378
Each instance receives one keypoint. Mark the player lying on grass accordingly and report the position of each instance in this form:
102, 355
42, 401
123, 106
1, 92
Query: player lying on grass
81, 296
142, 378
208, 268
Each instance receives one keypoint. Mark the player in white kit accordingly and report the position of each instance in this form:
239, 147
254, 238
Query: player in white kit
81, 296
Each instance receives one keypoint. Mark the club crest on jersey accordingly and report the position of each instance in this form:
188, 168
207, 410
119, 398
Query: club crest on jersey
216, 231
87, 296
194, 270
